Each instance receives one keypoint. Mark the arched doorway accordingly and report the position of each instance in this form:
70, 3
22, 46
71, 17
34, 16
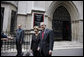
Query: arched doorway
72, 10
61, 24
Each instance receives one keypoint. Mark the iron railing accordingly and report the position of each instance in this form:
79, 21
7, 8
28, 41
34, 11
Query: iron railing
10, 45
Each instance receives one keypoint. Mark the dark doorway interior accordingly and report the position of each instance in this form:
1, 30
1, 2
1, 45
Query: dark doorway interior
61, 24
66, 30
13, 24
2, 17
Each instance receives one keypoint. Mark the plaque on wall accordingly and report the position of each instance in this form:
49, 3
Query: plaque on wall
38, 18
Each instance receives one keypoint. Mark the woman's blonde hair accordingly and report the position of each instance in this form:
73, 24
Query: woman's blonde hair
36, 27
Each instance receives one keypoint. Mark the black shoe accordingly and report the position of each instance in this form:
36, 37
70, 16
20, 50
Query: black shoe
17, 55
22, 54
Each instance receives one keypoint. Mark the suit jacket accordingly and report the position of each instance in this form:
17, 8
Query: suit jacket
35, 42
19, 35
46, 43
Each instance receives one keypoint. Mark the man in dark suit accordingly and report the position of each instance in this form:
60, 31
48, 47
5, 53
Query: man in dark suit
19, 40
46, 41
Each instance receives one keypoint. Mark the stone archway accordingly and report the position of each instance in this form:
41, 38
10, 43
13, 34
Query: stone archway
61, 24
74, 14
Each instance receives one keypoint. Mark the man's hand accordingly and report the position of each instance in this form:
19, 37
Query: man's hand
38, 48
20, 42
9, 37
31, 51
50, 52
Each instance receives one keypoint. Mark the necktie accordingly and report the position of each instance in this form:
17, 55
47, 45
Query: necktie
42, 35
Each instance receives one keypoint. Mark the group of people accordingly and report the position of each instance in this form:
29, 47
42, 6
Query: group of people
42, 42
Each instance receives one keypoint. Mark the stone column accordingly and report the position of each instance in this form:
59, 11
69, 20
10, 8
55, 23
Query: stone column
6, 20
80, 33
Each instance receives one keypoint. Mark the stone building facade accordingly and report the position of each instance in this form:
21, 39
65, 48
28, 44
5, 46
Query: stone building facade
23, 12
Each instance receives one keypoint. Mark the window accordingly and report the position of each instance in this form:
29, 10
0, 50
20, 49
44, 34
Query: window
38, 18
